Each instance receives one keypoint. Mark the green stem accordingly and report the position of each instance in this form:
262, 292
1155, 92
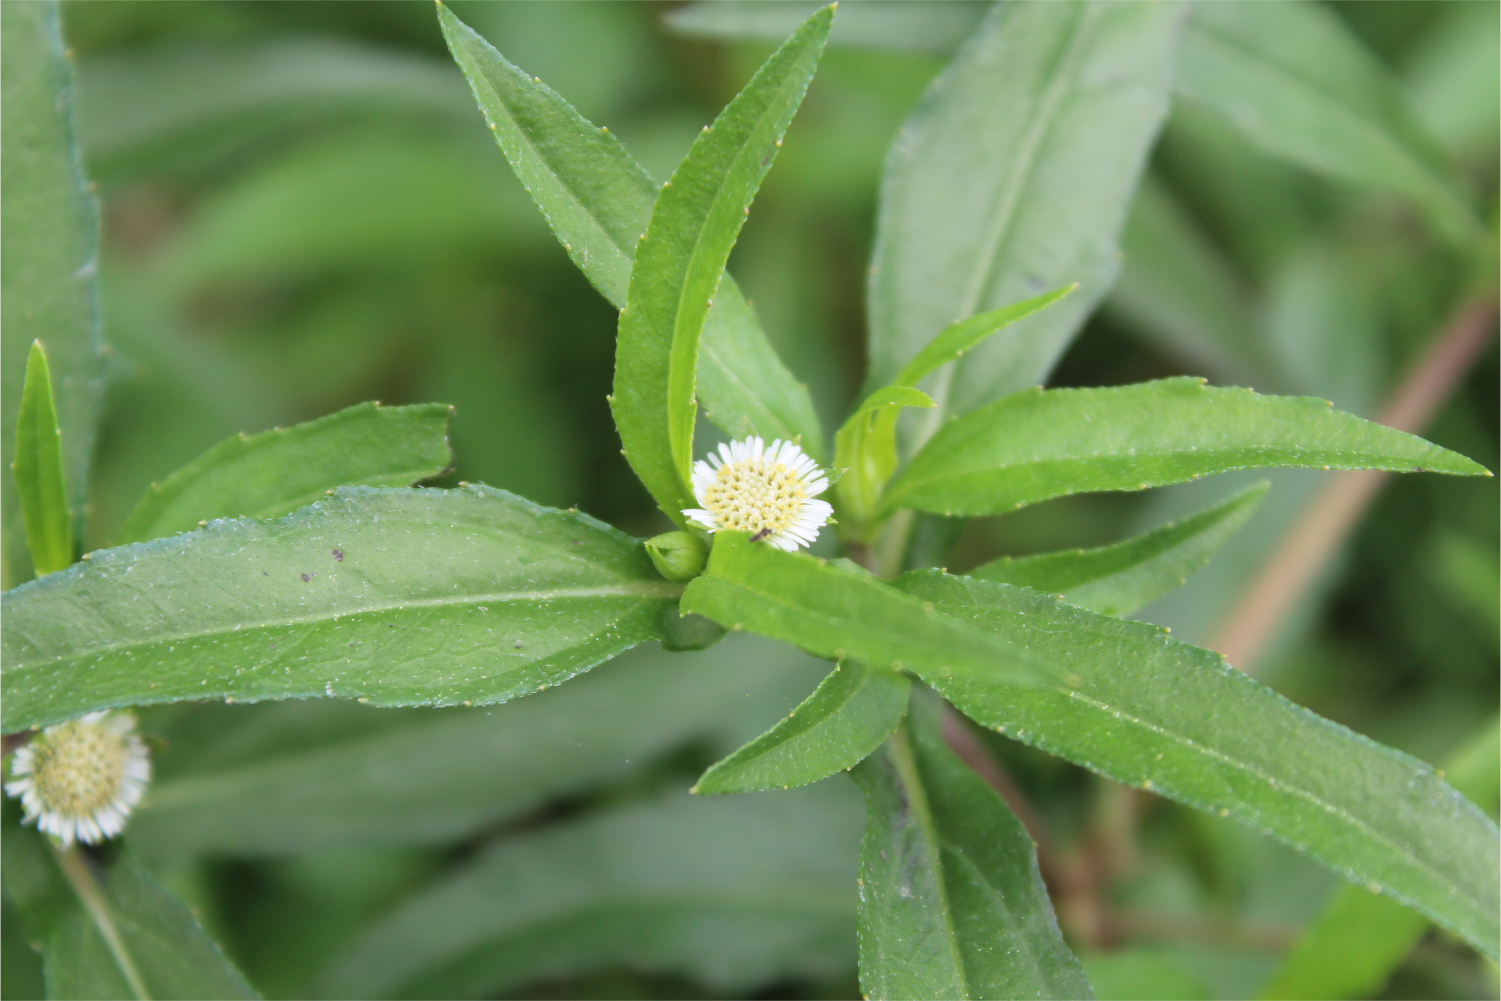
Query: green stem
891, 548
82, 878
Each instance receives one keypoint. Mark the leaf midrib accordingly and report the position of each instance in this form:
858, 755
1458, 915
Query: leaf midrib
977, 874
916, 797
1025, 161
844, 621
644, 590
908, 485
1277, 784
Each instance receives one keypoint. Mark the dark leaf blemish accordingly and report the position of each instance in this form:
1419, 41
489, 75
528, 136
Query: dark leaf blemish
338, 556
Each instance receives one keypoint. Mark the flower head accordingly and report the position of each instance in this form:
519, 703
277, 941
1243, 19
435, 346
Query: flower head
769, 492
79, 780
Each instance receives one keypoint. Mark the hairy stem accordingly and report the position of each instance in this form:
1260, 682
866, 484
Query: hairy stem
1318, 535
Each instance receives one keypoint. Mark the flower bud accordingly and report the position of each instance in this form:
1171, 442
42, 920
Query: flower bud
678, 556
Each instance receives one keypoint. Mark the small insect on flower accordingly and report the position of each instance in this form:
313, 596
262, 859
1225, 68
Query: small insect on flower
79, 780
768, 492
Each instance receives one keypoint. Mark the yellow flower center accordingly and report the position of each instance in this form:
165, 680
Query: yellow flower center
754, 494
77, 770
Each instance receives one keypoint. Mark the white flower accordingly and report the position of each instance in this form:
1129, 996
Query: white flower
79, 780
768, 492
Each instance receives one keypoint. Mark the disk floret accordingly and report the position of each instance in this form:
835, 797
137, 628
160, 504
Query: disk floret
768, 492
79, 780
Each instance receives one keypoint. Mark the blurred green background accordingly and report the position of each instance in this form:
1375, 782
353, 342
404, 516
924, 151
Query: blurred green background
302, 210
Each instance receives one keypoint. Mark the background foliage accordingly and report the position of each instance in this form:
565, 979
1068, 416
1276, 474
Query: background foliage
301, 211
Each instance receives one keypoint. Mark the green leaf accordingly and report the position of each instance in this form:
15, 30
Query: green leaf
398, 596
853, 709
594, 196
1298, 83
598, 202
838, 612
312, 776
1151, 712
1039, 444
1359, 938
890, 396
959, 337
131, 939
38, 469
1011, 177
1121, 578
276, 472
738, 893
865, 447
49, 230
951, 901
743, 385
680, 259
866, 444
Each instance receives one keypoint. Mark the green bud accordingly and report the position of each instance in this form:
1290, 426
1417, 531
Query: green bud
678, 556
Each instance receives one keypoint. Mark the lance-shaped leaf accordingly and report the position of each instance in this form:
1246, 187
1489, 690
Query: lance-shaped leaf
49, 233
951, 901
397, 596
1297, 82
1121, 578
843, 721
321, 775
1360, 938
865, 448
276, 472
840, 612
1142, 708
598, 201
38, 469
866, 445
1292, 77
1039, 444
1012, 177
680, 259
734, 892
959, 337
105, 928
